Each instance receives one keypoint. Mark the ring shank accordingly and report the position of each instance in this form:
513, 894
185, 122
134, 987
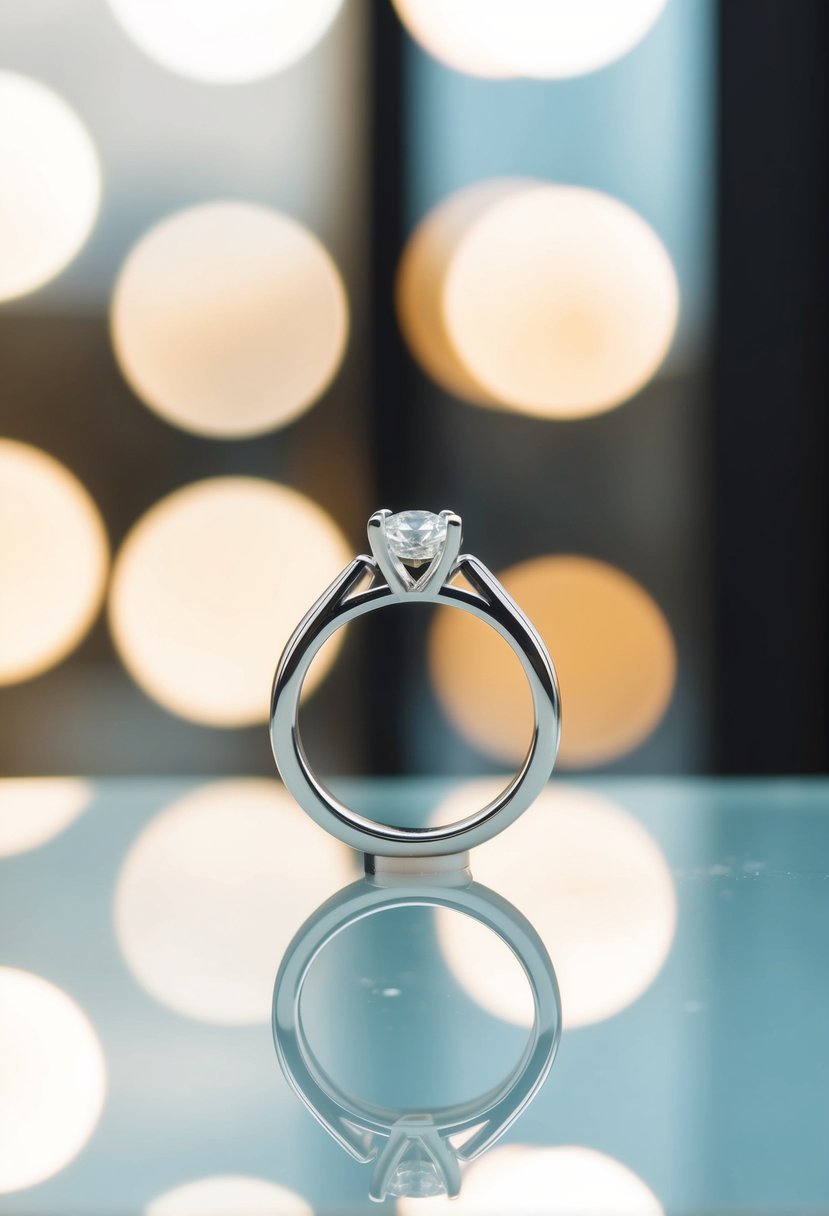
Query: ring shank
489, 602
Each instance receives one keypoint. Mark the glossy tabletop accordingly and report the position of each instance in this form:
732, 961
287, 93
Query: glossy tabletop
142, 924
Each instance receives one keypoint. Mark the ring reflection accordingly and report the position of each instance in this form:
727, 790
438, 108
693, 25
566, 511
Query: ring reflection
415, 1141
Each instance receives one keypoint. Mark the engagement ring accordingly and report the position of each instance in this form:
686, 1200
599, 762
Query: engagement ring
415, 559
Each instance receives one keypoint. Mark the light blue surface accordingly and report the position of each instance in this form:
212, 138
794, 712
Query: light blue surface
711, 1087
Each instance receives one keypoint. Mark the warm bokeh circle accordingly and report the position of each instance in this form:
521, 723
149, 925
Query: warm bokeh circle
33, 810
546, 39
225, 42
560, 302
50, 184
209, 585
419, 285
55, 561
611, 645
229, 319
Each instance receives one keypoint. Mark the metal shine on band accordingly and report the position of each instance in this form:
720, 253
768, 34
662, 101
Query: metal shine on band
415, 557
413, 1151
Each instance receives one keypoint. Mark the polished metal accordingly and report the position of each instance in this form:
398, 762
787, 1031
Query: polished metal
393, 583
385, 1135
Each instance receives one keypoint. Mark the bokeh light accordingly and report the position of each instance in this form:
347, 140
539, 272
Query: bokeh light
229, 319
613, 651
420, 282
52, 1083
209, 585
560, 301
595, 886
33, 810
229, 1195
55, 561
225, 41
542, 38
212, 891
524, 1180
50, 184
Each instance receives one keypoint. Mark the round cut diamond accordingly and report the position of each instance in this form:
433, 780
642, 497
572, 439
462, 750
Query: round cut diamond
417, 1176
415, 536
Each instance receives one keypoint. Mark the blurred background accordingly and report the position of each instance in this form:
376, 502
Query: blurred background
267, 266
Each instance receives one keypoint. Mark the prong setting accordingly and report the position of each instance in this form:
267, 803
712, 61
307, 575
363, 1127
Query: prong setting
403, 542
397, 577
442, 565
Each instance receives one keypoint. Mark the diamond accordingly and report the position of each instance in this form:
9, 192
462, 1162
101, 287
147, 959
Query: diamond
417, 1176
415, 536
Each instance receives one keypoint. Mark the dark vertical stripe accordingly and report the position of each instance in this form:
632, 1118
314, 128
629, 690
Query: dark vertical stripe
770, 410
390, 406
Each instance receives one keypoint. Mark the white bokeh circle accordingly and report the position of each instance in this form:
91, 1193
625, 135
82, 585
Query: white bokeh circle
213, 889
207, 588
594, 884
33, 810
55, 561
225, 41
229, 319
50, 184
53, 1080
420, 278
229, 1195
535, 38
560, 301
525, 1180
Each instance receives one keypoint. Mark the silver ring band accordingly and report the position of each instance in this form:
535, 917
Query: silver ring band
393, 582
373, 1133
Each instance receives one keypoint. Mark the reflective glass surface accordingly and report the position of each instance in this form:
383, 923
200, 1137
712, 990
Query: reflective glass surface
144, 923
